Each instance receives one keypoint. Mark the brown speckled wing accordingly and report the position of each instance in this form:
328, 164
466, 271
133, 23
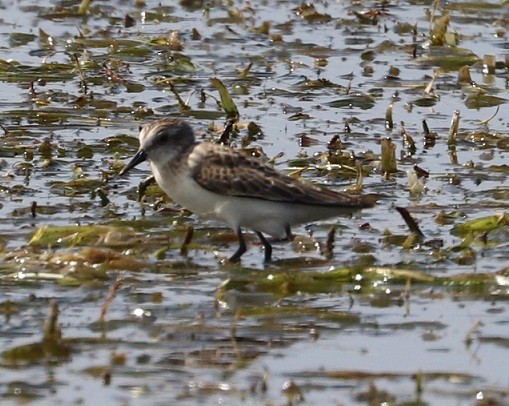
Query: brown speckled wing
230, 172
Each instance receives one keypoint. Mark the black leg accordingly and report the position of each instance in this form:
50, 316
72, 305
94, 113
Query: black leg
266, 246
288, 232
242, 247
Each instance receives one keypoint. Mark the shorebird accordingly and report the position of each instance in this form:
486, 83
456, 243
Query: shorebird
223, 183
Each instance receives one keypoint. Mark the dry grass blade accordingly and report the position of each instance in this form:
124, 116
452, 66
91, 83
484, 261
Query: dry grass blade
223, 139
469, 338
464, 75
84, 6
5, 130
410, 222
488, 64
425, 128
486, 121
51, 328
329, 244
33, 209
359, 179
245, 72
227, 102
83, 77
430, 85
407, 139
438, 35
421, 173
182, 104
388, 160
406, 295
187, 240
111, 295
348, 130
453, 129
389, 123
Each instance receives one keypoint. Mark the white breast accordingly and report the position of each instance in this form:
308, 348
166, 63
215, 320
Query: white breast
182, 189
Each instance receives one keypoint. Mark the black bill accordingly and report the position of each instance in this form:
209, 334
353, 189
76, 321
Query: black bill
140, 156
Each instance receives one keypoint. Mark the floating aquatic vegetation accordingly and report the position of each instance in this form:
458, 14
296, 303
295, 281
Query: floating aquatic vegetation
479, 98
481, 225
17, 39
52, 347
308, 12
74, 89
360, 100
84, 235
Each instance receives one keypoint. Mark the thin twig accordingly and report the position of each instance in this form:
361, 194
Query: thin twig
111, 295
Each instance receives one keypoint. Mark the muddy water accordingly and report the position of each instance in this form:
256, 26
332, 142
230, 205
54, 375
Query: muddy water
381, 319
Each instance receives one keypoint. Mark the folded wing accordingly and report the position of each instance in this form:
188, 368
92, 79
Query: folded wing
231, 172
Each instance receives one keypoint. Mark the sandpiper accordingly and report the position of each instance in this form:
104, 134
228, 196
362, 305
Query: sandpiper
223, 183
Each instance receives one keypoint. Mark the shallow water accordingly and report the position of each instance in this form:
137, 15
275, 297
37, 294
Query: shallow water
379, 321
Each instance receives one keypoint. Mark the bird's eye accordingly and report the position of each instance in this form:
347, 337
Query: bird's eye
163, 137
140, 128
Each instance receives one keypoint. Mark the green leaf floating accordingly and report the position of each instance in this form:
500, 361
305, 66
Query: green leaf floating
481, 225
226, 100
